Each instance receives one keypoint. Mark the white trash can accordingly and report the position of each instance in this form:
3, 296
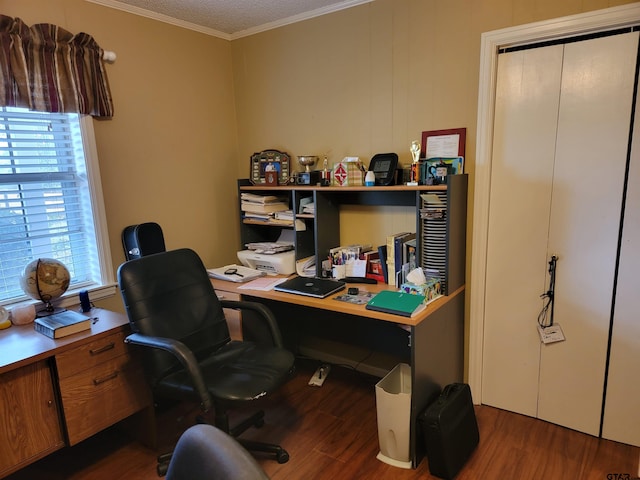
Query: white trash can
393, 403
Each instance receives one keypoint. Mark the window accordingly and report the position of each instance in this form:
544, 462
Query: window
51, 200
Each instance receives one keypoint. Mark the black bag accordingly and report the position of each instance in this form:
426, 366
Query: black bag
450, 430
142, 239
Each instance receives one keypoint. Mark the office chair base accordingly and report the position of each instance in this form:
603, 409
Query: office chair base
282, 456
255, 420
163, 463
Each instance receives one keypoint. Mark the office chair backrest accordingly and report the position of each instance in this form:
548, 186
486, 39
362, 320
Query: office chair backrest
169, 294
205, 453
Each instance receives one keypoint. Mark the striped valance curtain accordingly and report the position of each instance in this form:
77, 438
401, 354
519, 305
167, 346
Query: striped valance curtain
48, 69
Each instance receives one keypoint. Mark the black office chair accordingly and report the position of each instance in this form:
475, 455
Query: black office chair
204, 452
174, 310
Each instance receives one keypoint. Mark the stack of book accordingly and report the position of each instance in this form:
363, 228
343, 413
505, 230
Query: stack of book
401, 248
262, 205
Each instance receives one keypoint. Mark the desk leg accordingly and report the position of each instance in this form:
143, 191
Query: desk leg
437, 359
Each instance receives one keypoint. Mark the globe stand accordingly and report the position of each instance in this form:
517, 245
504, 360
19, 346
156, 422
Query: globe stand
49, 309
46, 280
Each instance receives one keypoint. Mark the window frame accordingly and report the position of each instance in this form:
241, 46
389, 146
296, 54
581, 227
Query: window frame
105, 286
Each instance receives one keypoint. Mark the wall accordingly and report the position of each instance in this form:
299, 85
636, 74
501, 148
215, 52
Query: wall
369, 80
169, 153
191, 109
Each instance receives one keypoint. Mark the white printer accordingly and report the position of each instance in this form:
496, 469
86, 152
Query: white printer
274, 263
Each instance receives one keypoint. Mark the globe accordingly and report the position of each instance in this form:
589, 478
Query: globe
45, 279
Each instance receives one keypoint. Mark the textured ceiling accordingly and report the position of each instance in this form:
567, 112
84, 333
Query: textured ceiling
230, 18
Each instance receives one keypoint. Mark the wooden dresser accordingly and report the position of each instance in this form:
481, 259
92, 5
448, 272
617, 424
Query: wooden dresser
56, 393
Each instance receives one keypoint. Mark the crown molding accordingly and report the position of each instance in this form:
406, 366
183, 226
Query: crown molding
226, 36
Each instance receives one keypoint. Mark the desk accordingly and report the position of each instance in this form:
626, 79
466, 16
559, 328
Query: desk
431, 342
59, 392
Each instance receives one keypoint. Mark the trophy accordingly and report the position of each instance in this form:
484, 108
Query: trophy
415, 166
308, 177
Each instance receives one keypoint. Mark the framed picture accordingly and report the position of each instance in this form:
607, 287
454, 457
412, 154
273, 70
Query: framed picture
443, 143
431, 174
269, 161
456, 163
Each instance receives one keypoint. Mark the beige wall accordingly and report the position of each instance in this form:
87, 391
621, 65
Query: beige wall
190, 109
169, 153
371, 79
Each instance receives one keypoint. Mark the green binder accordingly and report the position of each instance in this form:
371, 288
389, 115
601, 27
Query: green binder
396, 303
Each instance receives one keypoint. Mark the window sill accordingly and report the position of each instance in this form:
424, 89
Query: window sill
70, 298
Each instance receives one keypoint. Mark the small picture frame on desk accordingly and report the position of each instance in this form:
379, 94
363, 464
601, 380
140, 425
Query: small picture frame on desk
271, 178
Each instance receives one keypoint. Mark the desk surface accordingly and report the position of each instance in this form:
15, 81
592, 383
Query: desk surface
331, 304
21, 344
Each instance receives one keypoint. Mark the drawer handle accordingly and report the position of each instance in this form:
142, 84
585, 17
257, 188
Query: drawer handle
98, 381
107, 347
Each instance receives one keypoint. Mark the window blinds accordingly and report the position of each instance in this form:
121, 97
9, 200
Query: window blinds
45, 206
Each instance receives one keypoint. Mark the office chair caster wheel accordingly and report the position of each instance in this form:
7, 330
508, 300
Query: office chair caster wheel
282, 457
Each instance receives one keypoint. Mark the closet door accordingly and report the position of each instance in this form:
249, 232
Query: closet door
622, 413
560, 141
591, 152
525, 125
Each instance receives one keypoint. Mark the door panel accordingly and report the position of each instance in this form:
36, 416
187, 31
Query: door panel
593, 132
522, 167
560, 139
622, 414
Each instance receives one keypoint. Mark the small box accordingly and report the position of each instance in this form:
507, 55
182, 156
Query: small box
430, 290
348, 174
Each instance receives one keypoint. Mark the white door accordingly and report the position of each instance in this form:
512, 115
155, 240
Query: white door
622, 407
560, 140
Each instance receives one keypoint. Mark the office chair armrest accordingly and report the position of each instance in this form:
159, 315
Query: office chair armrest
265, 313
182, 354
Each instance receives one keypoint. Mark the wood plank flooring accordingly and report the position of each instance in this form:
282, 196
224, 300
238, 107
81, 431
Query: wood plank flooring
331, 433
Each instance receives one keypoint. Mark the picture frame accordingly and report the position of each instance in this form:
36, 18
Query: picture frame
426, 176
456, 163
269, 161
448, 143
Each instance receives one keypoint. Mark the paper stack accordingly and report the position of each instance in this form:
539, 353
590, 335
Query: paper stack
262, 204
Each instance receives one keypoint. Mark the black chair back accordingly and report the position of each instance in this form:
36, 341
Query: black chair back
169, 294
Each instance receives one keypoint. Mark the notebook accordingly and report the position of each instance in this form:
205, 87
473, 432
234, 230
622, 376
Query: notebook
397, 303
312, 287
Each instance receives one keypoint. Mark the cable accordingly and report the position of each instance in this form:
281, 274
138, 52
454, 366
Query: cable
545, 317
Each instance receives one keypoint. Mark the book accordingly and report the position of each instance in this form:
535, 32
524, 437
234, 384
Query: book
382, 254
262, 199
396, 303
263, 207
398, 253
409, 255
58, 325
391, 257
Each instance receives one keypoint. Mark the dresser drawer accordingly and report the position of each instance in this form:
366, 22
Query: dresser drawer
98, 397
91, 354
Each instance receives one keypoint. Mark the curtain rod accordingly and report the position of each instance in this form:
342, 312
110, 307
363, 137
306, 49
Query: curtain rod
109, 56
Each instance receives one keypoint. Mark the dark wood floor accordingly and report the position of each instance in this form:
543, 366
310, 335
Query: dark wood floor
331, 433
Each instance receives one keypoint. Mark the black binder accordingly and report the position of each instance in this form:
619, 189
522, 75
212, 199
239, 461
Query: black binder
450, 430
